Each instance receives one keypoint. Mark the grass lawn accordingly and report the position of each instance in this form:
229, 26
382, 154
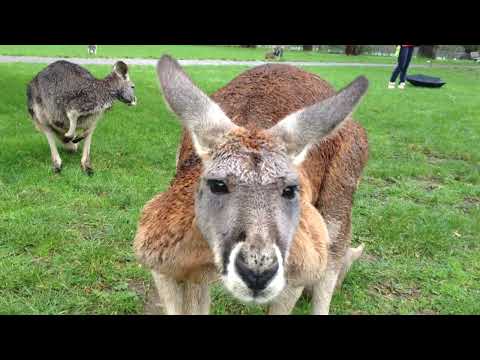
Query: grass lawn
66, 240
199, 52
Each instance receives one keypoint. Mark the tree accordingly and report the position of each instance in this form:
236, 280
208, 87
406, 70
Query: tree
353, 49
471, 48
307, 47
428, 51
249, 46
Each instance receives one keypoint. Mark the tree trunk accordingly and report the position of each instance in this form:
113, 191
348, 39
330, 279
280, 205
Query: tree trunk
471, 48
427, 51
353, 49
307, 47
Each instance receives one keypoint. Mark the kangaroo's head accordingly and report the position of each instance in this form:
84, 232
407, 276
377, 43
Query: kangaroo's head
123, 86
247, 203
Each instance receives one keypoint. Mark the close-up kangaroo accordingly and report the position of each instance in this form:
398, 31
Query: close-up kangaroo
65, 97
262, 197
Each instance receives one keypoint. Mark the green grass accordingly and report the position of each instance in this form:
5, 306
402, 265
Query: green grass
66, 240
200, 52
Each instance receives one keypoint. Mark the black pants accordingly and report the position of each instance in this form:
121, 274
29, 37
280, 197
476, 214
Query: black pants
403, 61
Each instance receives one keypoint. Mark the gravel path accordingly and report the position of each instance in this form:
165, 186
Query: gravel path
152, 62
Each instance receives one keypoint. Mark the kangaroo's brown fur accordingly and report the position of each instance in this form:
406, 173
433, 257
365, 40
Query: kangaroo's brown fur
168, 241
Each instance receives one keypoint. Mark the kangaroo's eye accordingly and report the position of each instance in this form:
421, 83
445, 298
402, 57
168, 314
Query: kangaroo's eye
217, 186
290, 191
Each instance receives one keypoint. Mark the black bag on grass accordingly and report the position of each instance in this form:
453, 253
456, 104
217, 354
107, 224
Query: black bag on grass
425, 81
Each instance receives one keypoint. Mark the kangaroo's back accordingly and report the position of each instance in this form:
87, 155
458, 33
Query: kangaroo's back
59, 78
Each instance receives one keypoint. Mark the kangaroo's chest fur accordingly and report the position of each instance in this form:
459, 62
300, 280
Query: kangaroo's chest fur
87, 119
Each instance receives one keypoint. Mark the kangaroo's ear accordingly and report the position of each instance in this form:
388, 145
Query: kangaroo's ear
196, 111
308, 126
121, 69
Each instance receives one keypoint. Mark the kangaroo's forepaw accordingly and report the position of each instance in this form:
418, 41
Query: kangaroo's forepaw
87, 169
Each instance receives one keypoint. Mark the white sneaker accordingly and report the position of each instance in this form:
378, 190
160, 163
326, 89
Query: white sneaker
391, 85
401, 85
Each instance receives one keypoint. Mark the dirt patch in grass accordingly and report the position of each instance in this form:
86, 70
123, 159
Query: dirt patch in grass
151, 304
429, 183
427, 312
474, 201
433, 157
469, 203
369, 258
379, 187
439, 158
358, 313
392, 291
380, 182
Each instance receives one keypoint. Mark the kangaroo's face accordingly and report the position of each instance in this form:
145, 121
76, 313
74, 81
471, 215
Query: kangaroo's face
247, 204
125, 88
247, 207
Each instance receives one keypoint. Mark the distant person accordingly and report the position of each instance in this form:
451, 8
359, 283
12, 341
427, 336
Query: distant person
404, 57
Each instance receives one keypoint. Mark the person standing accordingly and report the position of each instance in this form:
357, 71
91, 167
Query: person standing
404, 58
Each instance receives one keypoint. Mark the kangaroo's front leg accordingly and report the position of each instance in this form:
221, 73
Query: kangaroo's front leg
72, 118
323, 292
171, 293
285, 302
196, 298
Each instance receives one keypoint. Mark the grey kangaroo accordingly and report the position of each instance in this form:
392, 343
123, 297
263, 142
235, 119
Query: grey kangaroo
64, 98
92, 49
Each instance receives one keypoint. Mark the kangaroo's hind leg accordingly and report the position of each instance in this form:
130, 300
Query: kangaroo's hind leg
351, 255
50, 135
56, 160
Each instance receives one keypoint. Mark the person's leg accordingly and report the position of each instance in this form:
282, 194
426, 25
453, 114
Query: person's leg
398, 68
408, 58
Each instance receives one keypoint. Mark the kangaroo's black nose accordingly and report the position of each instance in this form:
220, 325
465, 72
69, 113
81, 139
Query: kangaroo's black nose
255, 280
